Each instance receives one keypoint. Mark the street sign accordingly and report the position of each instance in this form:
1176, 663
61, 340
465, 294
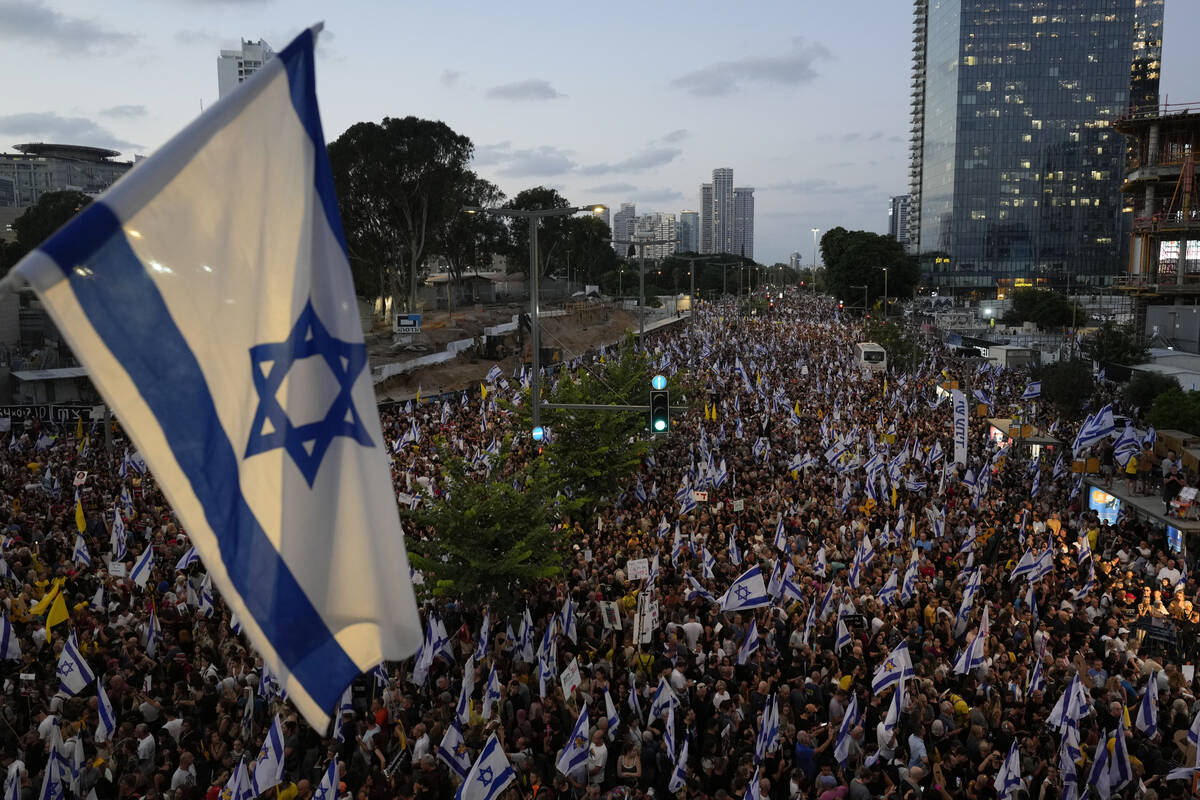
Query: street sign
407, 324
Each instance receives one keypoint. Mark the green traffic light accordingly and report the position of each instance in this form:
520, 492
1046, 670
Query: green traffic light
660, 424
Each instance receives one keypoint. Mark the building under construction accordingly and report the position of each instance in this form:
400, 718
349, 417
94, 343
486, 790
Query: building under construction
1163, 274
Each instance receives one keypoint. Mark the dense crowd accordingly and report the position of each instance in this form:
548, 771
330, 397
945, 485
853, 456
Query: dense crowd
928, 628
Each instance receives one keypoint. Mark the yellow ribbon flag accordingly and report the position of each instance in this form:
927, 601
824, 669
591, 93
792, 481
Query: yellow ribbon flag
58, 614
796, 408
80, 519
418, 394
42, 605
482, 392
893, 495
79, 427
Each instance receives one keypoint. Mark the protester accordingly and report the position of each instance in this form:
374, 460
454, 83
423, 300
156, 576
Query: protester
1021, 632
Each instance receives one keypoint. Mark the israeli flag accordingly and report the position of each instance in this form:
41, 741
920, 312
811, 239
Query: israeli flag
453, 750
80, 554
897, 666
1008, 779
268, 768
327, 788
491, 693
10, 645
141, 570
972, 657
1146, 720
238, 785
679, 773
748, 591
1033, 390
153, 634
574, 754
610, 712
74, 674
749, 644
107, 724
841, 747
187, 559
489, 776
159, 286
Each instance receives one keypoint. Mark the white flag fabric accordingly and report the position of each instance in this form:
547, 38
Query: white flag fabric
327, 789
489, 776
897, 666
268, 768
10, 646
141, 569
453, 750
748, 591
107, 725
74, 674
574, 754
238, 785
189, 304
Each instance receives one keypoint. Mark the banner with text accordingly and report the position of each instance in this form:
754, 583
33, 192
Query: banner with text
959, 401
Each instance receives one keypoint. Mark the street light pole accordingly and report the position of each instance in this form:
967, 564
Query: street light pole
642, 244
814, 233
885, 294
534, 216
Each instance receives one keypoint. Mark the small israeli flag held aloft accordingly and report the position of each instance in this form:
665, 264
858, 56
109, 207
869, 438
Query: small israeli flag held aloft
223, 331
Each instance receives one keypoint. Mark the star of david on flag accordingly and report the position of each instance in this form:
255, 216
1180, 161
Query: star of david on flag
489, 776
223, 330
748, 591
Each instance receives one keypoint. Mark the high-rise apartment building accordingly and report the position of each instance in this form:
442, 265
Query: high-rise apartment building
743, 222
235, 66
1016, 169
689, 231
657, 227
898, 218
722, 183
622, 227
795, 261
706, 218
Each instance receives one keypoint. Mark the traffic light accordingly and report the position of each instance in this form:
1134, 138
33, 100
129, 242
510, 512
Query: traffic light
841, 305
660, 411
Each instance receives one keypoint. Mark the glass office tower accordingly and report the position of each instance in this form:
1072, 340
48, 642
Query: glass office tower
1016, 169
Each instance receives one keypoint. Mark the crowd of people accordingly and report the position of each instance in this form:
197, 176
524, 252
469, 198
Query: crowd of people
915, 627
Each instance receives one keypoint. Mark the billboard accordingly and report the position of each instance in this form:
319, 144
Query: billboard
1106, 506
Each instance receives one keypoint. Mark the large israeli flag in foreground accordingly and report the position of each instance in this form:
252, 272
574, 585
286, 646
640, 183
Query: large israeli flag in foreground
209, 295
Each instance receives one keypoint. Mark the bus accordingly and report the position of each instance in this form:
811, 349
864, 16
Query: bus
870, 356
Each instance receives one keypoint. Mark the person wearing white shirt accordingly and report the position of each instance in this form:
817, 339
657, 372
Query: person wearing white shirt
421, 742
145, 749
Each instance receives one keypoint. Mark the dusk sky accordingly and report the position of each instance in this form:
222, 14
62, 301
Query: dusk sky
806, 100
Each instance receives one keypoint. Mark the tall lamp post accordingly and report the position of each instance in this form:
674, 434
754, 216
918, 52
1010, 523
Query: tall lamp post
885, 293
815, 231
641, 245
535, 216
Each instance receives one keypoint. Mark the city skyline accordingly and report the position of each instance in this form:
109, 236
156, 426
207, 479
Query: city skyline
818, 124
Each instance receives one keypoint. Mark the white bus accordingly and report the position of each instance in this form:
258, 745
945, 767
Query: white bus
870, 356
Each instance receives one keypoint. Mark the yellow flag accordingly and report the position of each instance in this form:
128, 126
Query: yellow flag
40, 606
418, 394
58, 613
79, 427
893, 496
885, 384
80, 519
482, 391
796, 408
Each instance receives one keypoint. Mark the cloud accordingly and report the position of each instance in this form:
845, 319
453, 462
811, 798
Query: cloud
793, 68
675, 136
125, 112
532, 89
647, 159
652, 196
613, 188
524, 162
196, 36
31, 22
821, 185
450, 77
48, 126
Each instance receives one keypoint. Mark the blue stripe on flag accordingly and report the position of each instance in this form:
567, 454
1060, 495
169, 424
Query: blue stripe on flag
124, 306
298, 61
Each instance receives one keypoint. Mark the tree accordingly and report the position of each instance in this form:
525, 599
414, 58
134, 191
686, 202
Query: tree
397, 181
552, 231
1066, 385
470, 240
588, 249
903, 349
492, 531
1144, 387
1116, 344
1176, 409
39, 222
1045, 308
859, 258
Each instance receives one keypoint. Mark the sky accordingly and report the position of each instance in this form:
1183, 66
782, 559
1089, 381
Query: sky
807, 100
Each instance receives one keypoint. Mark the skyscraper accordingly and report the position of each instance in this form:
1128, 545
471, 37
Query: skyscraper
657, 227
1016, 170
689, 231
898, 219
743, 222
706, 218
234, 66
722, 189
622, 227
